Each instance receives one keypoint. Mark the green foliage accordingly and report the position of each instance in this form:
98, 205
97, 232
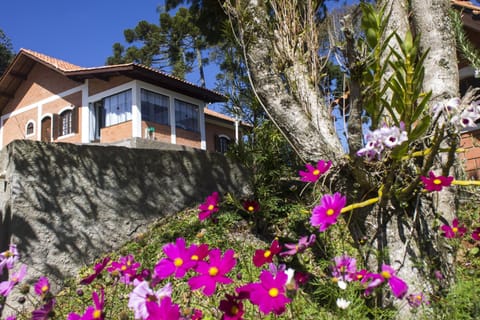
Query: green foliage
6, 52
468, 51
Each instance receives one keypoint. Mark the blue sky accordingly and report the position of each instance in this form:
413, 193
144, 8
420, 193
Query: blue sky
81, 33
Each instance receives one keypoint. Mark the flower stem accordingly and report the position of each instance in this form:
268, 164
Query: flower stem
360, 204
466, 182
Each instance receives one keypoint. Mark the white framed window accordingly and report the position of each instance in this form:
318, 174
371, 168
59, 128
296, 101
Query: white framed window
30, 128
66, 121
221, 143
187, 116
117, 108
155, 107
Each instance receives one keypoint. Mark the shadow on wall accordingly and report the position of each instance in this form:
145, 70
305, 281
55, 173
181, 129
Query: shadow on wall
64, 204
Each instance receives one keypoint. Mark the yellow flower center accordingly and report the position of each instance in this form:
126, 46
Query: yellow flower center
386, 274
334, 279
123, 268
194, 257
267, 253
44, 288
8, 254
234, 310
213, 271
359, 276
437, 181
250, 208
97, 314
330, 212
273, 292
316, 172
178, 262
455, 229
210, 207
419, 297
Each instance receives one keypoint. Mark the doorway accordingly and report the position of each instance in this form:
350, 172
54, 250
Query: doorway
46, 133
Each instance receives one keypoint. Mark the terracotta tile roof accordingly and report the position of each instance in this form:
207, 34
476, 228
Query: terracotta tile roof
57, 63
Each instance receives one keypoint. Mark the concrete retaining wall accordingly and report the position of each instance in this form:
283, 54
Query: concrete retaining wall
64, 204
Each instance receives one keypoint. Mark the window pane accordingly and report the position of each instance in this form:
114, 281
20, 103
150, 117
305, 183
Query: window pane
66, 122
118, 108
186, 116
155, 107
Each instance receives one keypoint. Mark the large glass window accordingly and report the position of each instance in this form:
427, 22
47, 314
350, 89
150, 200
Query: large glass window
118, 108
186, 116
155, 107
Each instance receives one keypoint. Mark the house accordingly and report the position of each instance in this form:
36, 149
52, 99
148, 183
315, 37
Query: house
45, 98
469, 77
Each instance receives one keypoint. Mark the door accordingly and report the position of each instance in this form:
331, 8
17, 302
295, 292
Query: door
46, 129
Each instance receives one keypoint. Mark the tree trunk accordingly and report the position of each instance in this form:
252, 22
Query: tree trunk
401, 234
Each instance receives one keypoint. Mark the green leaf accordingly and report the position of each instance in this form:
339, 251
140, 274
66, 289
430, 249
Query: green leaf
420, 128
399, 151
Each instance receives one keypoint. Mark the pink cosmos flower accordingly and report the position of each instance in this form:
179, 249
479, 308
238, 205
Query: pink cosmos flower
251, 206
398, 286
165, 310
345, 268
417, 299
45, 312
213, 271
303, 243
476, 234
455, 231
94, 312
7, 286
11, 318
142, 294
266, 256
9, 257
209, 207
232, 308
313, 173
42, 287
436, 183
126, 267
178, 260
98, 268
326, 214
196, 315
269, 293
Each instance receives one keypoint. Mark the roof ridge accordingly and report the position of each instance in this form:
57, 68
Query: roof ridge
55, 62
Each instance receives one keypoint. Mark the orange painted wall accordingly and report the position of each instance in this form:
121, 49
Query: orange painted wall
212, 130
120, 131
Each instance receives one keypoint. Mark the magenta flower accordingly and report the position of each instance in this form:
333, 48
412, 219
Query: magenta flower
345, 268
266, 256
454, 231
436, 183
98, 268
476, 234
42, 287
303, 243
94, 312
326, 214
209, 207
251, 206
178, 261
232, 308
213, 271
417, 299
142, 294
7, 286
165, 310
398, 286
126, 267
45, 312
9, 257
313, 173
11, 318
269, 293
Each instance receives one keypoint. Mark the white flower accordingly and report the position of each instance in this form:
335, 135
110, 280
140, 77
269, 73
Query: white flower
342, 303
342, 284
